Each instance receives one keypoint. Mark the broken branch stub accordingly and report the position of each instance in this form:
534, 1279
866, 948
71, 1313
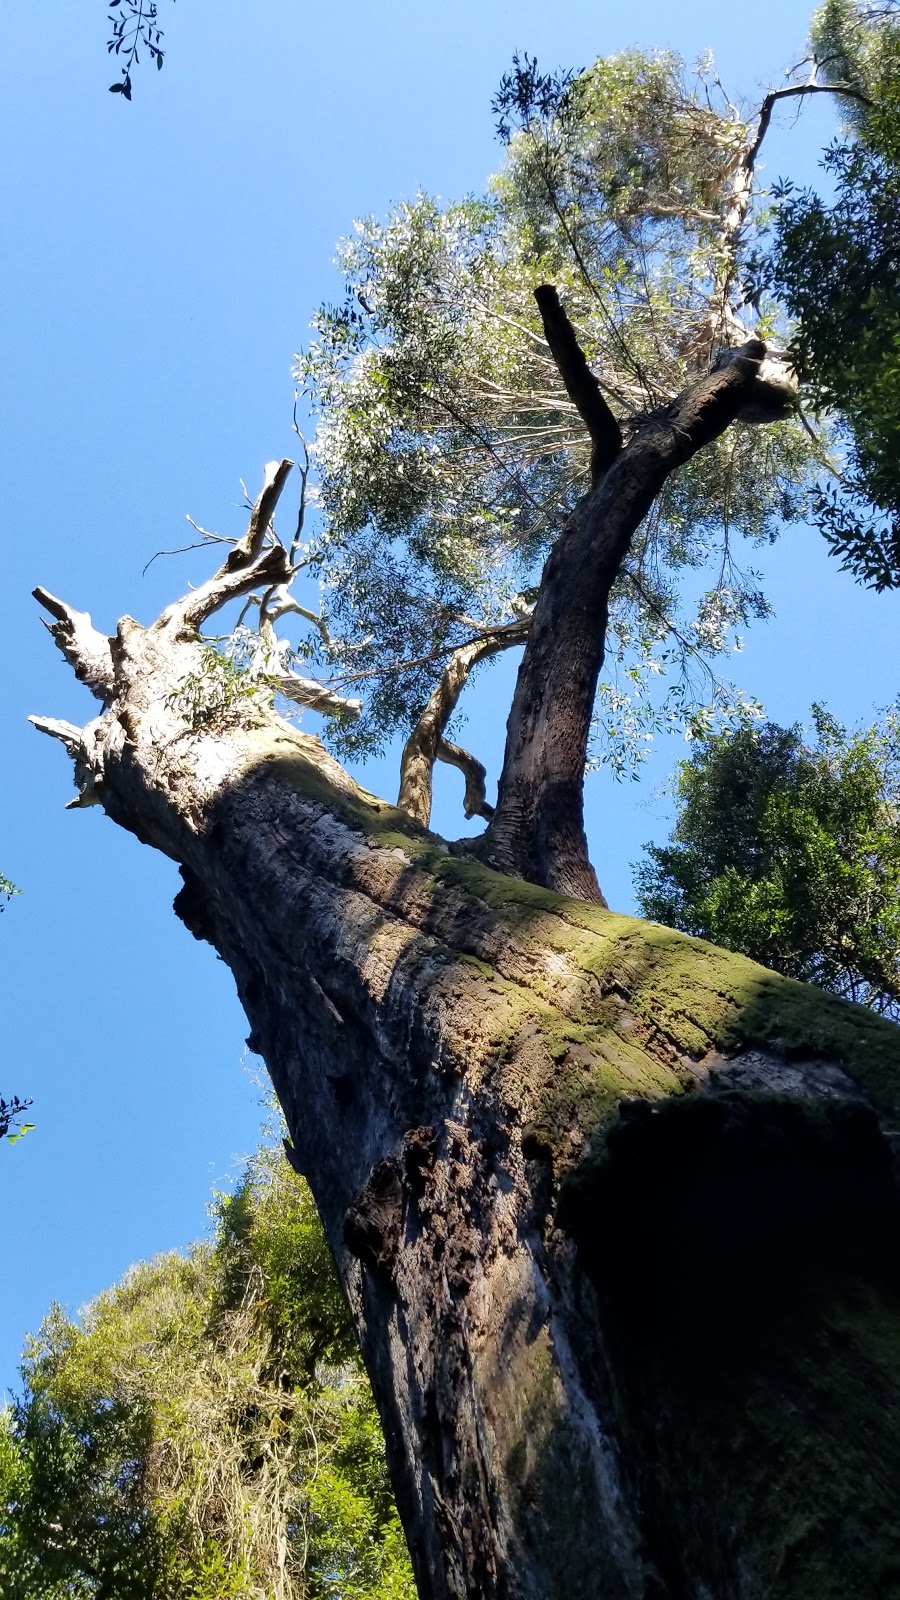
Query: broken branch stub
87, 651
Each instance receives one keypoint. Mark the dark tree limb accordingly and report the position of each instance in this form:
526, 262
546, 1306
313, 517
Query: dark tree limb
581, 385
537, 831
795, 91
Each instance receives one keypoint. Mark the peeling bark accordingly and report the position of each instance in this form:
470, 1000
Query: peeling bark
604, 1365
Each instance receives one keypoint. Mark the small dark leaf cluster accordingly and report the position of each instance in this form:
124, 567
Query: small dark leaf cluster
525, 94
867, 542
11, 1112
133, 23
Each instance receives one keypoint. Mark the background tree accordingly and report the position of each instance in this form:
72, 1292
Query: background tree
499, 1092
790, 852
835, 264
206, 1429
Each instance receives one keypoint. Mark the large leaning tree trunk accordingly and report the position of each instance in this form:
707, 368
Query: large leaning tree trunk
614, 1210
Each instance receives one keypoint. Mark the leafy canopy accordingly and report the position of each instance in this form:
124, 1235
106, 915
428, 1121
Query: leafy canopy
790, 852
206, 1431
447, 451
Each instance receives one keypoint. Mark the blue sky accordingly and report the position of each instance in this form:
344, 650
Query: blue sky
161, 260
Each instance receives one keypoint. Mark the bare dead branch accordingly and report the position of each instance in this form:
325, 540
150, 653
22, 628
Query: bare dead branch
303, 469
475, 803
270, 566
581, 385
248, 548
86, 650
722, 323
250, 563
316, 696
794, 91
181, 549
422, 748
282, 602
68, 733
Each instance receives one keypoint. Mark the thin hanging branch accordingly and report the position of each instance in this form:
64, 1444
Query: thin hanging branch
475, 803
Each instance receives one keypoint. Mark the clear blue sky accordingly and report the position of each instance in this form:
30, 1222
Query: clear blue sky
161, 260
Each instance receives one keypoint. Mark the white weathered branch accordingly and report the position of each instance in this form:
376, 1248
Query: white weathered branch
723, 325
316, 696
249, 564
68, 733
270, 566
75, 742
281, 602
86, 650
246, 549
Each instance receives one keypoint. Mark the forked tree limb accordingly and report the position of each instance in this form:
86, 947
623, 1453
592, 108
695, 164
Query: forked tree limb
186, 616
250, 563
722, 321
537, 831
422, 748
581, 385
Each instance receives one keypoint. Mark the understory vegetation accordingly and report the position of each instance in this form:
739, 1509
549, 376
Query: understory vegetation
788, 850
205, 1429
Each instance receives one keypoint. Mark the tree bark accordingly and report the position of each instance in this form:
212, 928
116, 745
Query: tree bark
537, 830
614, 1210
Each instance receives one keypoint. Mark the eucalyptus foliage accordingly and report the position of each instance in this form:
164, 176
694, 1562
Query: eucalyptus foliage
835, 263
789, 851
205, 1431
447, 451
134, 26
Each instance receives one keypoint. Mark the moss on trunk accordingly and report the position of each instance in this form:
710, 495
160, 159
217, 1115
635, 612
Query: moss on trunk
614, 1210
